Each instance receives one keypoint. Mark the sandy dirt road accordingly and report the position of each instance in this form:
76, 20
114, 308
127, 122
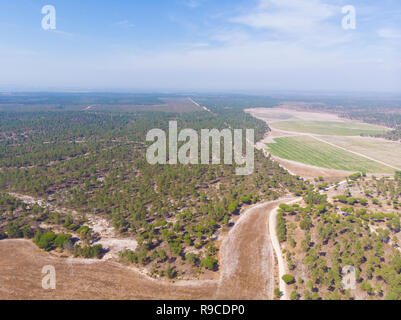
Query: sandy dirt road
320, 138
248, 263
282, 267
354, 152
268, 115
247, 270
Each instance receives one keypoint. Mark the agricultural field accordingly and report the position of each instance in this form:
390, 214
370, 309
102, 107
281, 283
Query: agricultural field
329, 127
376, 148
307, 150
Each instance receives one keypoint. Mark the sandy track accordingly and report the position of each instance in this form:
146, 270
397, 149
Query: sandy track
247, 270
282, 267
247, 261
354, 152
247, 255
267, 115
320, 139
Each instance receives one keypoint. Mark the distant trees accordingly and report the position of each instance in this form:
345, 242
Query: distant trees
87, 160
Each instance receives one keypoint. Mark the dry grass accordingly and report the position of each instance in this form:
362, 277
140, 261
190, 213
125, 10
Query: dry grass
247, 271
380, 149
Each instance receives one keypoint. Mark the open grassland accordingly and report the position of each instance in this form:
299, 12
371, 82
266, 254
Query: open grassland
312, 152
21, 278
379, 149
329, 127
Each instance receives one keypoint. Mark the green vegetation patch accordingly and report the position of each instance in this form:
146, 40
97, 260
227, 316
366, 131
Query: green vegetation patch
330, 128
310, 151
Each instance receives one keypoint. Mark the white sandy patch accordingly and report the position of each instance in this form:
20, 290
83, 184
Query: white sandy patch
109, 238
281, 114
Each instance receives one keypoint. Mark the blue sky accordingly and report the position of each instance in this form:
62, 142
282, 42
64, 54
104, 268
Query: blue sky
201, 45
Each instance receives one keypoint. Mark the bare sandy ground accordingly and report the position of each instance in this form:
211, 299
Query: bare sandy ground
284, 114
311, 172
247, 261
247, 270
282, 267
270, 115
379, 149
296, 168
21, 265
109, 238
352, 145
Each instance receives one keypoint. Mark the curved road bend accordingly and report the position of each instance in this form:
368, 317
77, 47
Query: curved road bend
247, 269
247, 255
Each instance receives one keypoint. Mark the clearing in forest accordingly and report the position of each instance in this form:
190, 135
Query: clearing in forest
376, 148
329, 127
310, 151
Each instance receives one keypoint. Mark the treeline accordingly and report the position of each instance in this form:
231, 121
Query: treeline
96, 160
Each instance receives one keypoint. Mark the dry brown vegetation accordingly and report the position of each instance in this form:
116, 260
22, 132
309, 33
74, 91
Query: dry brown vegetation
242, 276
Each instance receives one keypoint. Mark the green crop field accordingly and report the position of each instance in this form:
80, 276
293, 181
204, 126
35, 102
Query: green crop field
329, 127
310, 151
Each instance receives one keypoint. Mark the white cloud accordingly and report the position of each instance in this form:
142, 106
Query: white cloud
278, 44
292, 16
64, 33
389, 33
125, 24
192, 4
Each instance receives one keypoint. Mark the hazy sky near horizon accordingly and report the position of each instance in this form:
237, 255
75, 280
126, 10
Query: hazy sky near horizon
213, 45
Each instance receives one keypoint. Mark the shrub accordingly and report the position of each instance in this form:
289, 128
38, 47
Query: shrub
13, 231
61, 240
294, 295
46, 241
281, 228
288, 279
190, 257
209, 263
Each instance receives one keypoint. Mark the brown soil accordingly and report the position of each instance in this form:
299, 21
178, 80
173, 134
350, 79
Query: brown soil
311, 172
21, 278
286, 112
247, 270
247, 257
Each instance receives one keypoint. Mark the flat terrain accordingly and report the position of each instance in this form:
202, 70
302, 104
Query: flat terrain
328, 127
20, 277
380, 149
276, 114
305, 141
247, 258
311, 172
307, 150
247, 270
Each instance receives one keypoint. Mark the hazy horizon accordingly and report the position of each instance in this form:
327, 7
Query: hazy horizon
255, 46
